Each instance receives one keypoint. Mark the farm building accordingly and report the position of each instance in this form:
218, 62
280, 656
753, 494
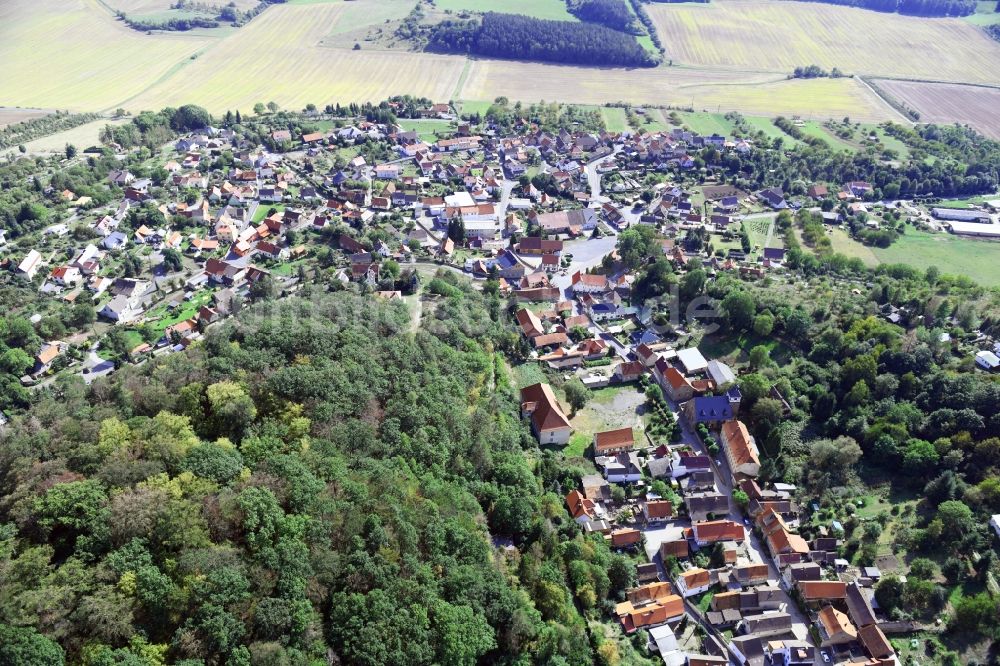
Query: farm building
984, 230
961, 215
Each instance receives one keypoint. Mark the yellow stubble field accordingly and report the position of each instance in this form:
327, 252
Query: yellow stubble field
779, 35
71, 54
718, 90
278, 57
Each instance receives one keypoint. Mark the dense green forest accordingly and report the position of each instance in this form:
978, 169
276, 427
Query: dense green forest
312, 482
526, 38
614, 14
966, 164
912, 7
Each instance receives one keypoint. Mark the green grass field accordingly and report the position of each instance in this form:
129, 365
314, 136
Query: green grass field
543, 9
976, 259
614, 119
985, 14
890, 142
847, 246
956, 255
816, 129
706, 123
427, 129
770, 130
757, 230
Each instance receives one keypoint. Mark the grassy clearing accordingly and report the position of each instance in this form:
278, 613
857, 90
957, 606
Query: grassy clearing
706, 123
614, 119
777, 36
816, 129
357, 16
767, 126
976, 259
890, 142
985, 14
429, 130
951, 254
844, 244
543, 9
736, 350
653, 121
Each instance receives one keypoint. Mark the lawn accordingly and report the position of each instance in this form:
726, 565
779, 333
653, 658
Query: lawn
707, 123
427, 129
614, 119
847, 246
544, 9
815, 129
976, 259
757, 228
736, 350
767, 126
263, 209
184, 310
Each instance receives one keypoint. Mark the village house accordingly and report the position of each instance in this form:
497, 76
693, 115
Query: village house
706, 534
548, 422
693, 581
30, 264
712, 410
613, 441
740, 449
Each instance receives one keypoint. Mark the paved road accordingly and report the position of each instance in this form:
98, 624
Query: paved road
594, 178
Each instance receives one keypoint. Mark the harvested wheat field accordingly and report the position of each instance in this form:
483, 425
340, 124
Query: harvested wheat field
277, 57
976, 106
756, 94
775, 35
11, 115
55, 53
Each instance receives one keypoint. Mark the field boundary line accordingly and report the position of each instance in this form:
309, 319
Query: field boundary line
884, 97
462, 78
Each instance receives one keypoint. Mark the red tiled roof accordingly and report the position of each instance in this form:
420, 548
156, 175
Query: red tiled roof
613, 439
814, 590
659, 509
719, 530
579, 505
547, 414
625, 537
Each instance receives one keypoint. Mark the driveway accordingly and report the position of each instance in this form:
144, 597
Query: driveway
656, 536
587, 253
95, 367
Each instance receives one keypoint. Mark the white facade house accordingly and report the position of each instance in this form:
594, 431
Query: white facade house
988, 361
